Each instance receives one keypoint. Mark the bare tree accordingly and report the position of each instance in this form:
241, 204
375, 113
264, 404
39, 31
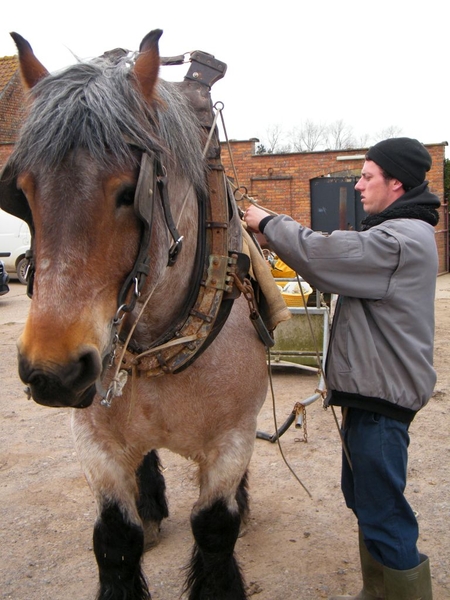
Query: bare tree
389, 132
362, 141
274, 135
339, 136
284, 149
297, 140
309, 137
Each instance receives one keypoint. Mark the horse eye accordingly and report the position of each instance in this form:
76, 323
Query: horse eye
126, 197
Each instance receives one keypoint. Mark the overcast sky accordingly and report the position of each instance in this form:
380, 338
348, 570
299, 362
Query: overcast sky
374, 65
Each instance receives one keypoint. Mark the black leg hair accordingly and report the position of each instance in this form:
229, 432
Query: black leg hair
213, 572
152, 504
118, 547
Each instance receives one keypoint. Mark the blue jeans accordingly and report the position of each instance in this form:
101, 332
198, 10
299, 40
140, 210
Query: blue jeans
374, 487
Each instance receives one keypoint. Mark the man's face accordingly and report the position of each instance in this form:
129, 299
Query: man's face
376, 193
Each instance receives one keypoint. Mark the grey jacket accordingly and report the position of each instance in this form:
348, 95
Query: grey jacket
381, 348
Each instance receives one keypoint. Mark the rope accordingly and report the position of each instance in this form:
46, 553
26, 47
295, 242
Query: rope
286, 462
341, 435
204, 152
118, 381
251, 200
133, 393
236, 185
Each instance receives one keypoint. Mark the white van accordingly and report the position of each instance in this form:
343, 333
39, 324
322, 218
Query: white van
15, 240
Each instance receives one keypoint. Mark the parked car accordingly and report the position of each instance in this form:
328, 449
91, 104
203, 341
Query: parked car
15, 240
4, 278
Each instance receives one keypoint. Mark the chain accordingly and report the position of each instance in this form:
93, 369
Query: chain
300, 412
246, 289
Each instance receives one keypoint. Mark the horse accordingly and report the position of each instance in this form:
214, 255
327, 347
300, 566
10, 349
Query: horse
111, 274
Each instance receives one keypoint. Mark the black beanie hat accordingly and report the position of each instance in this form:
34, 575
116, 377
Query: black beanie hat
404, 158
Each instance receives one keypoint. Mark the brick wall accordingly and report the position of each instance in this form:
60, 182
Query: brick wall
281, 182
5, 151
12, 105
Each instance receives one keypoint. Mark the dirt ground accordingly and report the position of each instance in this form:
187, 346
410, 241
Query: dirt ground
296, 547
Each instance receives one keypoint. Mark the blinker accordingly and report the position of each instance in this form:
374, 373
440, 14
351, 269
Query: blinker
12, 199
14, 202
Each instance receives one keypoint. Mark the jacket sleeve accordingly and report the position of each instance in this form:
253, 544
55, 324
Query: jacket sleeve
350, 263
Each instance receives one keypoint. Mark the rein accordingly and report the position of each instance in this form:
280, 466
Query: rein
152, 177
143, 206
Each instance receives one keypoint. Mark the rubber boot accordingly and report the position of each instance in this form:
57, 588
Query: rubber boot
413, 584
372, 576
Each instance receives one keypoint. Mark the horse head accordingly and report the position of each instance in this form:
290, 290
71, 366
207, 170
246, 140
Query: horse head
76, 167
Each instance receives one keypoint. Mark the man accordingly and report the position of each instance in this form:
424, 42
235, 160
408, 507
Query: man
379, 366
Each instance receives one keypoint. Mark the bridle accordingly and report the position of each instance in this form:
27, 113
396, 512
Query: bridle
218, 270
211, 291
152, 182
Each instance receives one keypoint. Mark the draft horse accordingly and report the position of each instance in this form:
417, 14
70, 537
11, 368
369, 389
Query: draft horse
111, 174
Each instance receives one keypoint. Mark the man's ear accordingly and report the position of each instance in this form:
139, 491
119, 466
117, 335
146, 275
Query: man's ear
396, 185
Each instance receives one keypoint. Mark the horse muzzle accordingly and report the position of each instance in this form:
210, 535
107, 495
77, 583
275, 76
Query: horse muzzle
69, 385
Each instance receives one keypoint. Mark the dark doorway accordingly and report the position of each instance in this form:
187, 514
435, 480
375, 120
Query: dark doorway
335, 204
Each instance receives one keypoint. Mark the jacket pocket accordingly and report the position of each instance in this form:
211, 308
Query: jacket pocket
339, 350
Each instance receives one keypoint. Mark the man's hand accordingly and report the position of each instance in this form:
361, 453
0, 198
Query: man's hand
253, 216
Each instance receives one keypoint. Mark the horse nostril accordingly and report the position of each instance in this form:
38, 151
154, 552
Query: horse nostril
45, 385
69, 384
89, 367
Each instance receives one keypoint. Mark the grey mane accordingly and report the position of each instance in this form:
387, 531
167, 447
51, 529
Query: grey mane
95, 106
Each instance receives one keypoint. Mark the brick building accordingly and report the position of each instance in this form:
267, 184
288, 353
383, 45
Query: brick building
289, 183
295, 184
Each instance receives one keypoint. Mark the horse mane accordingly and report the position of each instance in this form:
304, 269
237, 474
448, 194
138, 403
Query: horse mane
97, 106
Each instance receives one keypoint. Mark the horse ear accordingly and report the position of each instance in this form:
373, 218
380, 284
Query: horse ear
32, 70
146, 67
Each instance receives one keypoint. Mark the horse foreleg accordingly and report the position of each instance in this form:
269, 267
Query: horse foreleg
118, 532
152, 505
118, 547
214, 573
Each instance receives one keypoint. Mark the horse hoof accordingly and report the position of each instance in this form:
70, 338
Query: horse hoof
152, 535
244, 527
243, 530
